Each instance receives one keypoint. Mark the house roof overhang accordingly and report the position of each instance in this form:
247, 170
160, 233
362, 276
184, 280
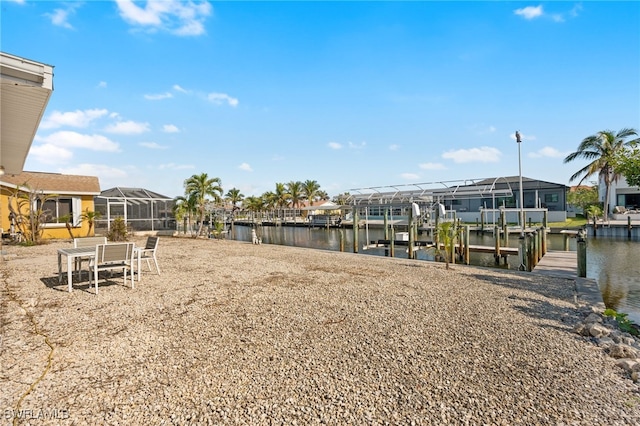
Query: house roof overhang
52, 183
26, 87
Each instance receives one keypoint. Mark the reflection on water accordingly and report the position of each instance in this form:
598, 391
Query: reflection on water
613, 263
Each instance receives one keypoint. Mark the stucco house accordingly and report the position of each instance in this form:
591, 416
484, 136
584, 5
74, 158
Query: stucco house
620, 195
63, 195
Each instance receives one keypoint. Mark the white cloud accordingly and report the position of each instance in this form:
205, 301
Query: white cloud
484, 154
177, 88
394, 147
220, 98
170, 128
176, 17
102, 85
577, 8
75, 118
334, 145
410, 176
548, 152
60, 17
18, 1
127, 128
573, 13
69, 139
529, 12
159, 96
173, 166
50, 154
360, 145
246, 167
152, 145
104, 172
432, 166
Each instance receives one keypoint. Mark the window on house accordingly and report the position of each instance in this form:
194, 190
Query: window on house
56, 208
508, 202
551, 198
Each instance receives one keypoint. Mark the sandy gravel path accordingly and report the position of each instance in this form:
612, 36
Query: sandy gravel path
235, 333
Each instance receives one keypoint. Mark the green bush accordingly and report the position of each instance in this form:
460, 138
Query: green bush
624, 324
118, 230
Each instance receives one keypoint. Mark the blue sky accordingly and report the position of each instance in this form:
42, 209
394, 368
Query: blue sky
350, 94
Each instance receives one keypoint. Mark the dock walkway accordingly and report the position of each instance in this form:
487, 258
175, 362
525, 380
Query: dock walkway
564, 264
558, 263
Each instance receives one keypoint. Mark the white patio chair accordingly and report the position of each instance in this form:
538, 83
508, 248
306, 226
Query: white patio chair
86, 242
148, 252
112, 256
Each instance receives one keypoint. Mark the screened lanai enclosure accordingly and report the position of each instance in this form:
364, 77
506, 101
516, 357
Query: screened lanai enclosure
141, 209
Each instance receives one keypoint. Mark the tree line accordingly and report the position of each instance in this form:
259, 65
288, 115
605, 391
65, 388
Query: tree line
202, 193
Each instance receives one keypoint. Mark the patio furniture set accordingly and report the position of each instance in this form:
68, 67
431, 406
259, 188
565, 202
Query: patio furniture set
103, 256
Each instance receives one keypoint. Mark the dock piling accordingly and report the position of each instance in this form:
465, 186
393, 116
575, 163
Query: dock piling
355, 228
582, 257
496, 239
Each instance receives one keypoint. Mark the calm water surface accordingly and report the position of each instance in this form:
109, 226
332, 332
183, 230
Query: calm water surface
613, 263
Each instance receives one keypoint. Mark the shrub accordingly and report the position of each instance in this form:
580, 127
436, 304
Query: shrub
117, 230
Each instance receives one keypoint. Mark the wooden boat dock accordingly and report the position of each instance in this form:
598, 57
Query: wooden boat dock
558, 263
422, 245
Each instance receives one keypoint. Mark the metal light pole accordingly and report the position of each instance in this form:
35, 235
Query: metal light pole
520, 190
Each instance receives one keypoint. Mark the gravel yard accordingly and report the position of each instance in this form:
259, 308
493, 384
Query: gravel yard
235, 333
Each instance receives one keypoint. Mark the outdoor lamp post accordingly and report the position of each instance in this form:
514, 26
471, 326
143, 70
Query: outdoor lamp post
520, 190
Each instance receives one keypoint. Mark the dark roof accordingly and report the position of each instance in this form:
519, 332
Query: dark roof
527, 183
133, 194
54, 183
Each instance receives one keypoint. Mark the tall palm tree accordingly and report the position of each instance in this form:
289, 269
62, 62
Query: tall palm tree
280, 195
235, 197
254, 204
601, 150
322, 195
294, 188
279, 198
183, 209
201, 187
310, 190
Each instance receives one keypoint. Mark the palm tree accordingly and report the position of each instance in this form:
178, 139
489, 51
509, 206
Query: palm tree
601, 150
184, 209
310, 190
279, 198
322, 195
294, 188
235, 197
90, 217
447, 236
254, 204
341, 199
200, 187
280, 195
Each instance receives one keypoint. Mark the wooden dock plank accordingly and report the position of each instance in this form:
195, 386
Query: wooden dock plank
558, 263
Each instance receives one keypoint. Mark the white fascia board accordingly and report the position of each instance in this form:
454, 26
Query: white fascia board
26, 71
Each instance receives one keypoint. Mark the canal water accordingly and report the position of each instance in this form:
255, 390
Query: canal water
613, 263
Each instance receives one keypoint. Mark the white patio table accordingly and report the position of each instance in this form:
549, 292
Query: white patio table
77, 252
71, 254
